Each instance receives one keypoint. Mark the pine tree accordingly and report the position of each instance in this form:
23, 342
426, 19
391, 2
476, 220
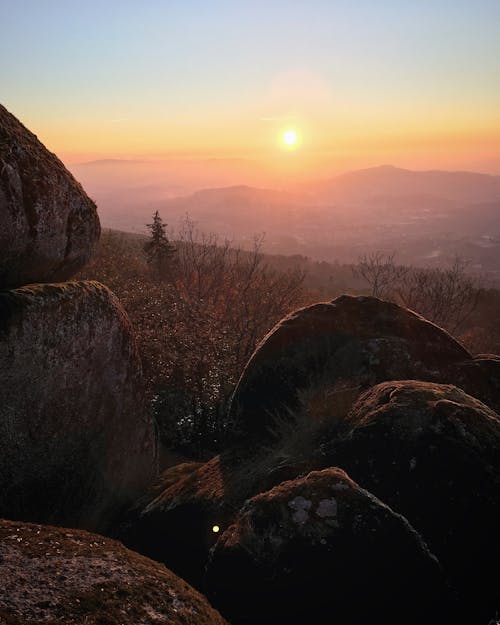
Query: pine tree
160, 253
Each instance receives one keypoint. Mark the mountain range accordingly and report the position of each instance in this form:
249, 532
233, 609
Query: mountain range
427, 217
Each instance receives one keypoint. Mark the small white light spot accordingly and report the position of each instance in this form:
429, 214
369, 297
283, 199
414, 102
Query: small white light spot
215, 529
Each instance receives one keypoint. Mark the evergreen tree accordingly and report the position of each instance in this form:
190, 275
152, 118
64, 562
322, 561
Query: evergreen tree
160, 253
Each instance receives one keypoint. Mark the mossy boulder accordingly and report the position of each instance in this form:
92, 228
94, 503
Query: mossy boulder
65, 576
335, 350
432, 453
76, 440
49, 227
322, 550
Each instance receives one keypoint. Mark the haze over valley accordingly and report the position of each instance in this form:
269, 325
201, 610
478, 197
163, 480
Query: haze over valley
426, 217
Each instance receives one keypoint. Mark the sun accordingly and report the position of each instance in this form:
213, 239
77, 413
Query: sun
290, 137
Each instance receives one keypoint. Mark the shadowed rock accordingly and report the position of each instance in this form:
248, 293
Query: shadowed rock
322, 550
48, 226
55, 575
175, 525
341, 347
432, 453
76, 441
480, 378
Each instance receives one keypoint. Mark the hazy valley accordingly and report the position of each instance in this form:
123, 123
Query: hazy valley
426, 217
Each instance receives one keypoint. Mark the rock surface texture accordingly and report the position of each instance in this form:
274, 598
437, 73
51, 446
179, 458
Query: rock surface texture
72, 577
76, 441
432, 453
322, 550
176, 525
48, 226
211, 495
480, 378
336, 350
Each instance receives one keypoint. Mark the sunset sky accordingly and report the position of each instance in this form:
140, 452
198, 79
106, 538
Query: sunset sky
414, 83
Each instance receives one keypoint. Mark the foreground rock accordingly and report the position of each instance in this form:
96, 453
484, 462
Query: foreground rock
330, 352
48, 226
322, 550
55, 575
432, 453
176, 525
480, 378
76, 441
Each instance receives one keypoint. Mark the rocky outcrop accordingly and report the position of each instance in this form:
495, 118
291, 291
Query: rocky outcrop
55, 575
176, 526
335, 350
210, 496
48, 226
432, 453
76, 441
479, 377
320, 550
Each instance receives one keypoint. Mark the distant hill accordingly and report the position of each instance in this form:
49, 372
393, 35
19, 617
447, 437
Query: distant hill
389, 180
427, 217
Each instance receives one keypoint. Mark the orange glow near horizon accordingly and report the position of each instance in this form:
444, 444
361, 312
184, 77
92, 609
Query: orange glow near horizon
336, 142
330, 149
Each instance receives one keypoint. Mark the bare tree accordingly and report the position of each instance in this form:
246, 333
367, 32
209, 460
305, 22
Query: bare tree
232, 289
381, 273
446, 297
226, 300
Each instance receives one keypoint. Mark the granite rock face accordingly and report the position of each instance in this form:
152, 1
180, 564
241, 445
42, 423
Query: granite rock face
56, 575
322, 550
335, 349
76, 440
48, 226
432, 453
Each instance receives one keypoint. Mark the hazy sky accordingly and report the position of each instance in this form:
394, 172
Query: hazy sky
362, 81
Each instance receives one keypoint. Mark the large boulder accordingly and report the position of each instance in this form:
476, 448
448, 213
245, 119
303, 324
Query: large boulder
55, 575
76, 439
48, 226
432, 453
335, 349
479, 377
322, 550
176, 524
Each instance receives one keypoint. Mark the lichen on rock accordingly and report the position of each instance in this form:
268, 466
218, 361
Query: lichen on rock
58, 575
432, 452
354, 562
76, 439
49, 227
